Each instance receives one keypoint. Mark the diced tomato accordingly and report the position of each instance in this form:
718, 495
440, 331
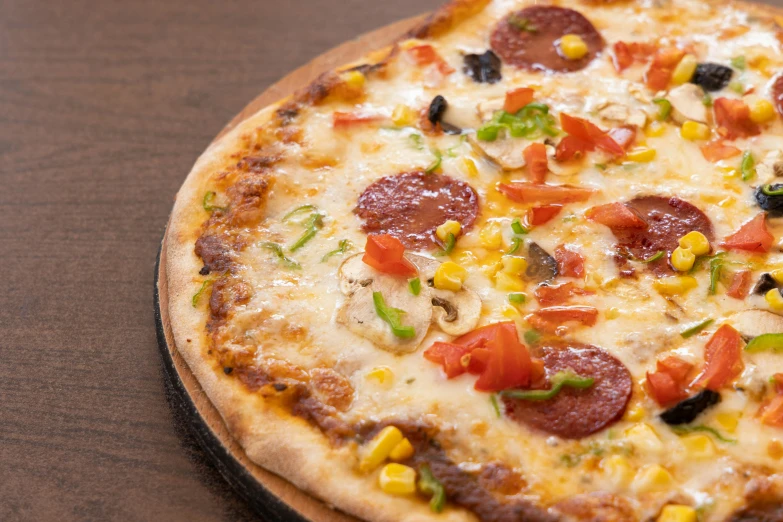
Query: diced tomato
449, 356
590, 133
733, 119
723, 359
669, 382
660, 72
549, 295
536, 161
615, 216
517, 99
571, 147
772, 411
550, 319
569, 263
624, 136
543, 214
478, 359
342, 120
716, 150
534, 193
778, 380
740, 284
622, 56
385, 253
753, 236
426, 55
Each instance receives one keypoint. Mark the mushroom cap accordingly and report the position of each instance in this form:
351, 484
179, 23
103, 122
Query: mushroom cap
688, 103
755, 322
506, 152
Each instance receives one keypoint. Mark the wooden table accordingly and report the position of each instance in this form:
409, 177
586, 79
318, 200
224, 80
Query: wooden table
104, 106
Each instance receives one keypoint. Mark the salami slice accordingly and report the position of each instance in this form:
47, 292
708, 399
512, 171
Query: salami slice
528, 38
668, 219
411, 205
576, 413
777, 93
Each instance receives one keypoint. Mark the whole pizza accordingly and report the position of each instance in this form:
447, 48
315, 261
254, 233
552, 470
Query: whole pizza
523, 265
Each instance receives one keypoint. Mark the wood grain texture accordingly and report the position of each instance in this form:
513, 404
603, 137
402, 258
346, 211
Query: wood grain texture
104, 106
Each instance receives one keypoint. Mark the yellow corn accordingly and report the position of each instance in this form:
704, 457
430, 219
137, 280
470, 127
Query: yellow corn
777, 275
762, 111
378, 449
382, 375
508, 282
470, 167
513, 265
698, 446
696, 242
612, 313
685, 69
677, 513
510, 312
402, 451
449, 227
617, 470
397, 479
675, 285
774, 299
635, 413
655, 130
491, 236
683, 259
652, 478
641, 155
728, 420
693, 130
730, 172
573, 47
450, 276
644, 438
403, 115
353, 79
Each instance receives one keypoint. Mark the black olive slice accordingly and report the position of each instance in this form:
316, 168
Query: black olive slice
437, 108
764, 284
768, 198
483, 68
686, 411
712, 76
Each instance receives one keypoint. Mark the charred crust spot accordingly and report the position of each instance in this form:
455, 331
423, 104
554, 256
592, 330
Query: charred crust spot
228, 371
204, 270
279, 386
215, 252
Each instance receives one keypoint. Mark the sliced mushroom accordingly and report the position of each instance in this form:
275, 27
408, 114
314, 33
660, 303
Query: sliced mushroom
755, 322
688, 103
770, 167
613, 111
455, 313
506, 152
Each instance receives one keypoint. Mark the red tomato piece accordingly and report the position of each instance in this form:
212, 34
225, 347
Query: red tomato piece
660, 72
740, 284
615, 216
669, 382
723, 359
753, 236
772, 412
733, 119
622, 56
569, 263
624, 136
543, 214
517, 99
571, 147
426, 55
449, 356
536, 161
551, 318
549, 295
590, 133
778, 379
385, 253
534, 193
716, 150
342, 120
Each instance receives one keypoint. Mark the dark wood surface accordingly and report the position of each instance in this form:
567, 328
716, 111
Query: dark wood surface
104, 106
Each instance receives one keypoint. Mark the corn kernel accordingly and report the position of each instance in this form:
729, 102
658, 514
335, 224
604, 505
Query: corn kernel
508, 282
777, 275
728, 420
491, 236
693, 130
402, 451
641, 155
655, 130
677, 513
652, 478
382, 375
683, 259
684, 70
617, 470
612, 313
513, 265
450, 276
762, 111
698, 446
675, 285
730, 172
696, 242
403, 115
774, 299
644, 438
635, 413
573, 47
469, 166
378, 449
397, 479
353, 79
449, 227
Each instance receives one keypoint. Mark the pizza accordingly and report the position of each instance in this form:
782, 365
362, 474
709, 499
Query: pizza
525, 264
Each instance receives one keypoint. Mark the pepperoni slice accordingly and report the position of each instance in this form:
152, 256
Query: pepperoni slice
668, 219
528, 38
411, 205
573, 413
777, 93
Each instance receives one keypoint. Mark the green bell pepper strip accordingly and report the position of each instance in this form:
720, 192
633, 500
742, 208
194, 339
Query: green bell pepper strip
312, 226
767, 189
766, 343
277, 250
747, 166
664, 108
558, 381
429, 485
197, 295
696, 328
299, 210
207, 202
392, 316
684, 430
342, 247
448, 245
414, 285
